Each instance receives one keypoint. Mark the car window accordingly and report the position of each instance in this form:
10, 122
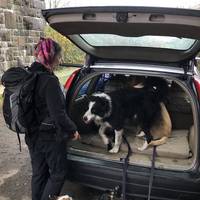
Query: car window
167, 42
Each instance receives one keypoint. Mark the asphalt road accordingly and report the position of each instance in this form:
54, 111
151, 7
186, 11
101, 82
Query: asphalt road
15, 171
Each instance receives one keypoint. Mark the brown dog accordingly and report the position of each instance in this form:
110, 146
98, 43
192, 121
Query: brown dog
161, 129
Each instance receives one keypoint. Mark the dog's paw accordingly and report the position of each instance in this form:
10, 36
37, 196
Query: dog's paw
141, 134
144, 146
64, 197
114, 150
109, 146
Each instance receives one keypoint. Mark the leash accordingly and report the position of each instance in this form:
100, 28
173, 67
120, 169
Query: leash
18, 137
152, 172
19, 140
119, 192
125, 162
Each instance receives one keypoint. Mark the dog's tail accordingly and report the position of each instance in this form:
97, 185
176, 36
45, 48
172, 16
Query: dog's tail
161, 141
159, 86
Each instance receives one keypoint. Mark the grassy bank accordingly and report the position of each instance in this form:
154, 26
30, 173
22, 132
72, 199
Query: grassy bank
63, 73
1, 99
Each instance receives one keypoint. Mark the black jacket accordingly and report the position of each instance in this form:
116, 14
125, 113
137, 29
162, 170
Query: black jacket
50, 106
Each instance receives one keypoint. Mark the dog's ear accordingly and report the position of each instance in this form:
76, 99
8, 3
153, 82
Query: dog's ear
91, 98
85, 98
104, 103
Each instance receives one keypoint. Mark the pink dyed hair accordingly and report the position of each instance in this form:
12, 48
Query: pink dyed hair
45, 51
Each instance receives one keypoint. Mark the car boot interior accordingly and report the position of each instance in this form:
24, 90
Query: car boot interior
177, 153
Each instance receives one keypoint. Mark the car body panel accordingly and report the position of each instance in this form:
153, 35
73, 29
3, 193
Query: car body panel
141, 21
105, 174
185, 21
102, 174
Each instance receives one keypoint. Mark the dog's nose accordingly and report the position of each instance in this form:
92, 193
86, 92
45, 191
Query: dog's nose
85, 118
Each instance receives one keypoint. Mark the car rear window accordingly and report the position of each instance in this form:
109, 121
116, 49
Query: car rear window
167, 42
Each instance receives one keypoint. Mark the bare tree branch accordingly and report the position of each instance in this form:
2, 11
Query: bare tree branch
56, 3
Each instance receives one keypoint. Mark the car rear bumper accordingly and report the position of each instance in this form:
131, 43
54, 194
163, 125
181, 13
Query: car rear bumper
104, 174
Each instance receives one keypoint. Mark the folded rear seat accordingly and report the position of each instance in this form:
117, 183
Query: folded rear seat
179, 108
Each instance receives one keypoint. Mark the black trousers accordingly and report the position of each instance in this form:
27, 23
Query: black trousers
49, 168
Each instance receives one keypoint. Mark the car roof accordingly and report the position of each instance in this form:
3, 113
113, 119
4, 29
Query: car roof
129, 22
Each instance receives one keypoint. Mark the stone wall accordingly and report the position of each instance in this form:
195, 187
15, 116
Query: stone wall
21, 25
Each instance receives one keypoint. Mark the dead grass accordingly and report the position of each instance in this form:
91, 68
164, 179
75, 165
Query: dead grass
64, 73
1, 100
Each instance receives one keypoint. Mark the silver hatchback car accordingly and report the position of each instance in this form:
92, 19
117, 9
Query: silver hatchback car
122, 42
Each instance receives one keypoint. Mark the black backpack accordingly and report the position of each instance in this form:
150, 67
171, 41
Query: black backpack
18, 99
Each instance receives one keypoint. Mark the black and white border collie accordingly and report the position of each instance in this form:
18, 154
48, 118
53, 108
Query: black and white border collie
146, 104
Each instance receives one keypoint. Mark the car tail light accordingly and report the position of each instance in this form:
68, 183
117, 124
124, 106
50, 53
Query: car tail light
197, 85
70, 79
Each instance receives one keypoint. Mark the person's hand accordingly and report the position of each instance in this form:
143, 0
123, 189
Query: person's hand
76, 136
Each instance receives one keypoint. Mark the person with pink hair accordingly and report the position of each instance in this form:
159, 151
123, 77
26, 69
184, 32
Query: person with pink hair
53, 128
